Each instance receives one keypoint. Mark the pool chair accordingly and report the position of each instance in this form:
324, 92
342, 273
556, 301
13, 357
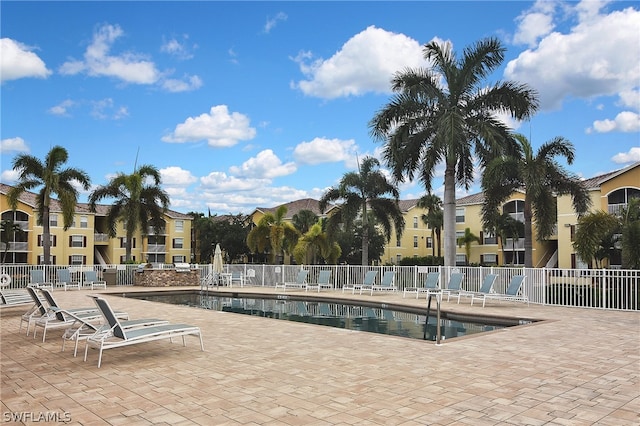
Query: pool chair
369, 280
115, 335
454, 286
485, 288
431, 285
324, 281
37, 310
57, 318
10, 298
514, 293
91, 280
386, 284
300, 282
237, 277
64, 279
36, 279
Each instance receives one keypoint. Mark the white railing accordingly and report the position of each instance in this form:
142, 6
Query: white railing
615, 289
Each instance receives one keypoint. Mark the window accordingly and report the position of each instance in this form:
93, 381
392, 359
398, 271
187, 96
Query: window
156, 240
415, 241
52, 238
178, 259
77, 241
459, 215
398, 258
515, 208
53, 219
429, 242
76, 260
398, 243
489, 259
179, 225
41, 260
84, 222
178, 243
489, 238
461, 259
415, 221
123, 258
123, 242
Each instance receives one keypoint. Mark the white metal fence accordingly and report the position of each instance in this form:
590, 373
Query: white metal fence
614, 289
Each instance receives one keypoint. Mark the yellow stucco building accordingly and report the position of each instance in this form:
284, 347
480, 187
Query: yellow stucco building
86, 242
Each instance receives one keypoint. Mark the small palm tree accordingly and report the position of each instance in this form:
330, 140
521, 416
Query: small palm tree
541, 178
273, 233
314, 244
9, 230
446, 113
304, 220
466, 240
593, 237
52, 180
364, 194
506, 226
136, 203
433, 219
631, 234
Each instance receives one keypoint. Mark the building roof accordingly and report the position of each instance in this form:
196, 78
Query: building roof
29, 198
295, 207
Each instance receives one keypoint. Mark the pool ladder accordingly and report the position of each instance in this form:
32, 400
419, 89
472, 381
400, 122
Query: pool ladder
426, 320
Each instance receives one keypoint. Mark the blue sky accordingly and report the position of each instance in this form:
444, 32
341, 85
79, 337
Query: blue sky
247, 104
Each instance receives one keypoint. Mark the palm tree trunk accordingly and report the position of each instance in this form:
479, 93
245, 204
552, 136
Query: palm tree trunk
46, 234
449, 215
528, 235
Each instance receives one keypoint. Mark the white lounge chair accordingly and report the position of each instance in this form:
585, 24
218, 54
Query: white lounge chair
485, 288
514, 293
386, 284
300, 282
114, 335
454, 286
369, 280
237, 277
14, 298
431, 285
324, 281
37, 279
91, 280
65, 280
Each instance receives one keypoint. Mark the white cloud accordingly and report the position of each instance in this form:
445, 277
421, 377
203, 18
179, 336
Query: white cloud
627, 157
178, 48
9, 176
591, 60
273, 21
18, 61
62, 108
218, 127
218, 182
188, 84
323, 150
13, 145
128, 67
365, 63
106, 109
264, 165
625, 121
535, 23
176, 176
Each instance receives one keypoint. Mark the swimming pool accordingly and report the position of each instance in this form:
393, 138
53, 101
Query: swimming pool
358, 316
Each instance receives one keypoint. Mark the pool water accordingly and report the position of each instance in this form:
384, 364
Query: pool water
328, 313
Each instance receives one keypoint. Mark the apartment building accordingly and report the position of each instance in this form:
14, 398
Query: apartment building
86, 242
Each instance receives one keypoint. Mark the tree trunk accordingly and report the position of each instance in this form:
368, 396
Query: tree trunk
528, 234
449, 213
46, 234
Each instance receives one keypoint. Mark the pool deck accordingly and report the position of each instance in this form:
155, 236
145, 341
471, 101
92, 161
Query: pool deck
577, 367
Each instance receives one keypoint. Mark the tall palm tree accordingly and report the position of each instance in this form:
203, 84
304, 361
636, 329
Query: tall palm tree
433, 219
446, 113
363, 195
137, 203
541, 177
466, 240
273, 233
52, 179
304, 220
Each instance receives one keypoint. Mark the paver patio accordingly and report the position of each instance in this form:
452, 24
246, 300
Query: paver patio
578, 367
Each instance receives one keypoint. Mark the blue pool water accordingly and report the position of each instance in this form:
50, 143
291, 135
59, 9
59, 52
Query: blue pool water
375, 319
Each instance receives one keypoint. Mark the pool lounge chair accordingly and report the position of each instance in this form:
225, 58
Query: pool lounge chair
114, 335
300, 282
91, 280
485, 288
431, 285
36, 279
237, 277
324, 281
386, 284
37, 310
56, 317
64, 279
369, 280
10, 298
514, 293
454, 286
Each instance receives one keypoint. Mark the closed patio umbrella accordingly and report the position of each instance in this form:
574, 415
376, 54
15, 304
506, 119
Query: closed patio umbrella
217, 263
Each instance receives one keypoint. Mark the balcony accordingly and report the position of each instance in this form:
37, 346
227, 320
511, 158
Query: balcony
100, 238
